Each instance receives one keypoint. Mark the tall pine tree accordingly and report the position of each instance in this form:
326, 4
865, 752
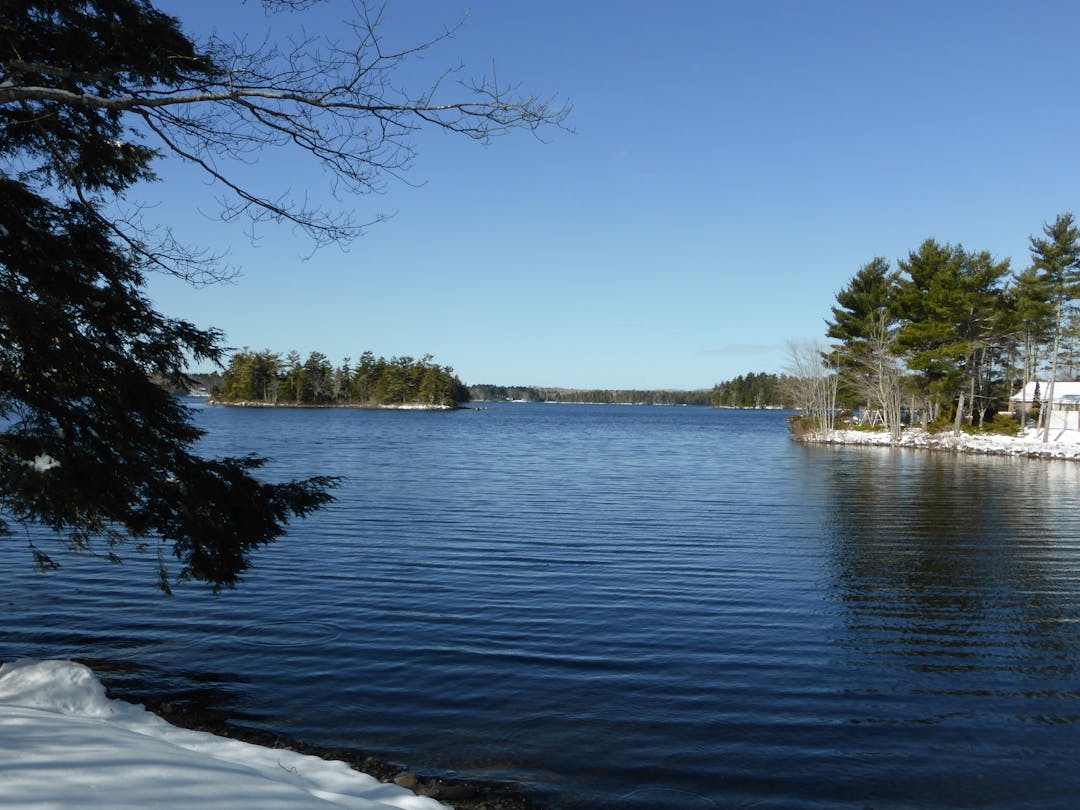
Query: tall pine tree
1057, 259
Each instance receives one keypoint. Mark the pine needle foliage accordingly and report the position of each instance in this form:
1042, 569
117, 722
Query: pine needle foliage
92, 92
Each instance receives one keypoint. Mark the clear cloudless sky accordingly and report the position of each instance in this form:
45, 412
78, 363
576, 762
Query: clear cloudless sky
733, 165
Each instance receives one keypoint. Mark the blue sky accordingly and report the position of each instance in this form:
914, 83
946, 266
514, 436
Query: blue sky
733, 165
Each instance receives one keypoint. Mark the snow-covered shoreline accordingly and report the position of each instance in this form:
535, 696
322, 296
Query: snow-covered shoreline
1062, 444
65, 744
366, 406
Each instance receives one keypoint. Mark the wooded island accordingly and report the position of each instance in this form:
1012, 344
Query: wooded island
266, 378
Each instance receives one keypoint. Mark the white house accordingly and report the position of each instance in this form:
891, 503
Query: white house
1065, 412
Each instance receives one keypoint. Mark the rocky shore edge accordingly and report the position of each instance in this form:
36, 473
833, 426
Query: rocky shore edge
460, 793
1062, 445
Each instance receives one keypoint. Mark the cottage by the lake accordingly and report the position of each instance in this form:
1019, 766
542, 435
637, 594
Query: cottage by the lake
1065, 409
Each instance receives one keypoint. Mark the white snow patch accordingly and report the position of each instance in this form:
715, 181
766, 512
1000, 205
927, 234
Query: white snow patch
43, 463
1062, 444
64, 744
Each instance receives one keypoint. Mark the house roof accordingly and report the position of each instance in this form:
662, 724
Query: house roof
1064, 392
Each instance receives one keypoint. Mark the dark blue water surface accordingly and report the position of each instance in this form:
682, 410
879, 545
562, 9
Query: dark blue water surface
625, 607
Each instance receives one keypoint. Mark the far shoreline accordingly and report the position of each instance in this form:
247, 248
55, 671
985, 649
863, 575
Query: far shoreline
361, 406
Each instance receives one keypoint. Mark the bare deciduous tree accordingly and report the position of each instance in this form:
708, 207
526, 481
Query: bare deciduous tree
878, 372
810, 382
340, 104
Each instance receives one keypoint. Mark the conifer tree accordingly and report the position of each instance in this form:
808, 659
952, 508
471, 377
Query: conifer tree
865, 322
861, 305
1032, 311
950, 306
1057, 258
91, 92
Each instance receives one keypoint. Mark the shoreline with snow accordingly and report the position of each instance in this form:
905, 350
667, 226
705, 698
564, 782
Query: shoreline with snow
1063, 444
359, 406
64, 743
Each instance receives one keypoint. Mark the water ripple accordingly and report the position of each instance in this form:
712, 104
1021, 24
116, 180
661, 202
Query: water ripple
287, 634
661, 608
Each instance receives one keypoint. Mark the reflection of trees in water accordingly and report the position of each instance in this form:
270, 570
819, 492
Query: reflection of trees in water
957, 562
958, 585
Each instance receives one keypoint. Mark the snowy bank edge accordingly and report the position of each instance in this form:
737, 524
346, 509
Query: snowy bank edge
405, 406
63, 742
1064, 444
46, 705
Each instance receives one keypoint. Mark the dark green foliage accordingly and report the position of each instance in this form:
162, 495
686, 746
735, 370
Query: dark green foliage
864, 322
595, 396
750, 391
864, 305
90, 440
607, 396
84, 85
1057, 258
1000, 424
952, 333
1032, 306
954, 320
90, 444
941, 424
262, 377
947, 317
86, 48
955, 333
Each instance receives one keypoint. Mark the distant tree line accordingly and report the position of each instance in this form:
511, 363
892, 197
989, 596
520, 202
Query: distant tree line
528, 393
267, 377
753, 390
949, 334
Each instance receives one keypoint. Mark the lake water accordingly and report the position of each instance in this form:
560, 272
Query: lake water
626, 607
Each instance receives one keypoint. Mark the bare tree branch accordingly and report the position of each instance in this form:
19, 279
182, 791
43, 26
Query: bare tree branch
221, 104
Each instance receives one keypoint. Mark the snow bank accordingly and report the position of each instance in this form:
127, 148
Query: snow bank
64, 744
1063, 444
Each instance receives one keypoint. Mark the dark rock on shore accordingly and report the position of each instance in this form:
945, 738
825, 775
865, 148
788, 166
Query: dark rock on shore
462, 794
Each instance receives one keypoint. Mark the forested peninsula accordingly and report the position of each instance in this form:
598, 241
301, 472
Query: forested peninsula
267, 378
950, 340
753, 390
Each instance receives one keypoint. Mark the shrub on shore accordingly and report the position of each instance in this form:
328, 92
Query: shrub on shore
1002, 424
